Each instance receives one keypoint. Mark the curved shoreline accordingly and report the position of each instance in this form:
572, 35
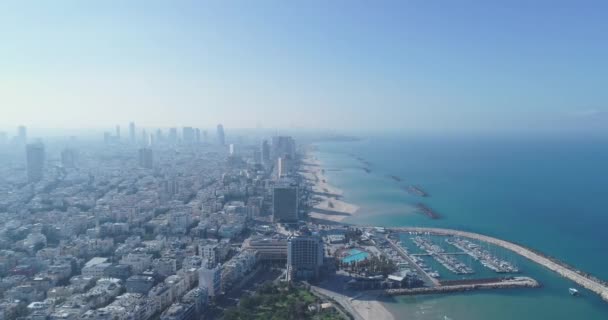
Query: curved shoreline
575, 275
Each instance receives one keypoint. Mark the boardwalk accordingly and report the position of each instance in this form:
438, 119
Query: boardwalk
577, 276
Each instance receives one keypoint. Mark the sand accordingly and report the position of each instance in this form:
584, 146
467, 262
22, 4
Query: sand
331, 206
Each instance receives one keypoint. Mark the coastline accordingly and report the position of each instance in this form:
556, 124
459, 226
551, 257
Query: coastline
329, 204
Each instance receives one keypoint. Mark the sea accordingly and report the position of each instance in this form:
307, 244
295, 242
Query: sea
548, 192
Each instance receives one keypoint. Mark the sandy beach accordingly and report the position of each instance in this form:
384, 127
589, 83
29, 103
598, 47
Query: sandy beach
330, 205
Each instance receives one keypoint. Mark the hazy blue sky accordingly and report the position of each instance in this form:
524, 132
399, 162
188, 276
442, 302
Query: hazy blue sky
471, 65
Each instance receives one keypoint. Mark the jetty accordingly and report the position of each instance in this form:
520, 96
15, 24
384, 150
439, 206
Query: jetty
417, 190
428, 211
579, 277
459, 286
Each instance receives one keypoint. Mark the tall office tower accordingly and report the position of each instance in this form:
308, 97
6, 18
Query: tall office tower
35, 161
159, 136
68, 158
257, 157
285, 203
304, 257
205, 136
221, 138
3, 138
173, 136
283, 145
231, 148
132, 132
21, 134
188, 135
210, 277
117, 132
265, 153
145, 139
197, 135
280, 168
145, 158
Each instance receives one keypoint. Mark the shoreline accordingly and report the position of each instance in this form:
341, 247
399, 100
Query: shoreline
329, 206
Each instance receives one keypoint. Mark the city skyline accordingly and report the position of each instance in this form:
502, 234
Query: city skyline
479, 66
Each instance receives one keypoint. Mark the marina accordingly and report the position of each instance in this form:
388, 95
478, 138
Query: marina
484, 256
438, 253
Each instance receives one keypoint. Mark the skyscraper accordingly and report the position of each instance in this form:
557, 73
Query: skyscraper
132, 132
21, 134
173, 136
304, 257
35, 161
117, 132
197, 135
188, 135
3, 137
231, 148
265, 153
68, 158
285, 203
145, 159
221, 139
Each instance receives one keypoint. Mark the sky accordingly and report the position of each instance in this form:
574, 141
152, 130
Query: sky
343, 65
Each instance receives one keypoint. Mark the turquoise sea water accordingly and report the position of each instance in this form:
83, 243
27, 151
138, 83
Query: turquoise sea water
548, 193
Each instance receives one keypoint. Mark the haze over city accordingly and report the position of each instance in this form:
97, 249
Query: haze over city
303, 160
416, 65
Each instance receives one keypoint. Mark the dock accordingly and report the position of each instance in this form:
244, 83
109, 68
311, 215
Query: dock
483, 284
579, 277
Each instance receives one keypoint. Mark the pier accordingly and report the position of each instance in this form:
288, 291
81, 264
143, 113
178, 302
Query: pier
568, 272
516, 282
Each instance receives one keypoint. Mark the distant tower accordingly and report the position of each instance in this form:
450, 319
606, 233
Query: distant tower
205, 136
35, 161
145, 158
68, 158
173, 135
265, 153
132, 132
197, 135
3, 138
220, 135
159, 136
117, 132
22, 134
231, 149
188, 135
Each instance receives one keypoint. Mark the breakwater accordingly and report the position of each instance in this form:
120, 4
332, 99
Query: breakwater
584, 280
504, 283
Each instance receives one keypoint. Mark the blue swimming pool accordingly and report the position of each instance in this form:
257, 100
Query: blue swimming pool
355, 255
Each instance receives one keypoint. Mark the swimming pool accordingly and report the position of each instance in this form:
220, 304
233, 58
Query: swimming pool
355, 255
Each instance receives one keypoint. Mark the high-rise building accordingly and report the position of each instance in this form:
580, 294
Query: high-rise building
285, 203
265, 153
188, 135
231, 148
283, 145
21, 134
280, 168
210, 277
159, 136
173, 136
205, 136
221, 138
145, 158
35, 161
197, 135
304, 257
117, 132
68, 158
132, 132
3, 138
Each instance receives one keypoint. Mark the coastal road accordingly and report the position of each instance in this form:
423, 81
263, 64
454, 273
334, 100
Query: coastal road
565, 271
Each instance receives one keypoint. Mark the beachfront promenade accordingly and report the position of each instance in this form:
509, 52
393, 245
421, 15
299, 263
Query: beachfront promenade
565, 271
